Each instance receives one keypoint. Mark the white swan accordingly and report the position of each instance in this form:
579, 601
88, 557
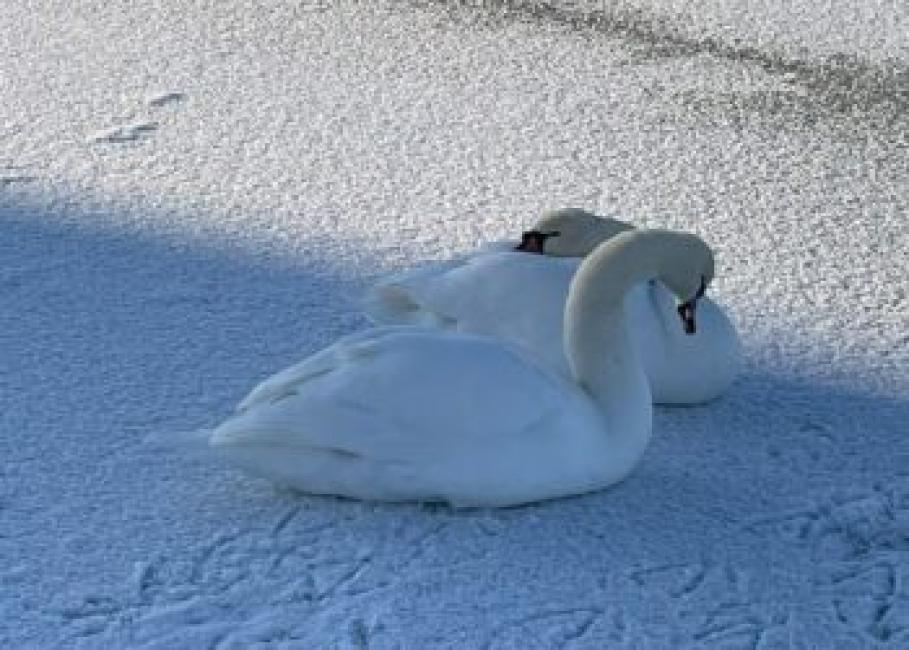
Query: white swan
409, 413
520, 297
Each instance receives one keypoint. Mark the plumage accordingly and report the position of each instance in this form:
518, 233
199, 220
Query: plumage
412, 413
519, 297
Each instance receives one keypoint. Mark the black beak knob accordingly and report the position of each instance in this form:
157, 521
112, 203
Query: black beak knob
686, 313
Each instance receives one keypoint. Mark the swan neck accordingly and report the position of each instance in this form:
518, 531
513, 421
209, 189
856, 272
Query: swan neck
598, 345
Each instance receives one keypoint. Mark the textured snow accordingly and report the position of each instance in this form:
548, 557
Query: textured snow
193, 194
837, 32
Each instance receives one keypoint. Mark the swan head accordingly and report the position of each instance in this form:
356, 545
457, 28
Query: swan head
570, 232
687, 269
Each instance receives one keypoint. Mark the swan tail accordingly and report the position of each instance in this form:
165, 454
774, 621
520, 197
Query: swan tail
389, 304
394, 304
411, 297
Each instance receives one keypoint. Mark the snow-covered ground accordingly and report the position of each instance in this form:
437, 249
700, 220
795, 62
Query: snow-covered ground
839, 33
192, 194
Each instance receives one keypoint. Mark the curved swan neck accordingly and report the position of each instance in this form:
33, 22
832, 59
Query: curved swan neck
597, 343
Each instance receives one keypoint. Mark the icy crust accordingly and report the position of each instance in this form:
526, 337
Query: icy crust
146, 282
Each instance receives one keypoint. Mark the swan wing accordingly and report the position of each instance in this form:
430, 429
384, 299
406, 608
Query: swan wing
404, 381
409, 297
322, 362
402, 413
517, 297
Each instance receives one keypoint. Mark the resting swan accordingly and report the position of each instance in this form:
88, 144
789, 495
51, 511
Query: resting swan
414, 414
520, 297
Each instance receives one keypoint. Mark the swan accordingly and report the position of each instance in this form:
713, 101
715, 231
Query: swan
404, 413
519, 298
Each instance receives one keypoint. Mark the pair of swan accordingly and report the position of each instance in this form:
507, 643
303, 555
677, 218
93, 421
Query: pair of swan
403, 413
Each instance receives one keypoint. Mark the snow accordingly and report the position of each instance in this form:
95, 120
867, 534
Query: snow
192, 196
831, 34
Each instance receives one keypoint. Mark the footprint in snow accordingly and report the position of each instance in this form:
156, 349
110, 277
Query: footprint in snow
740, 625
556, 628
846, 528
860, 543
680, 581
9, 175
137, 129
873, 600
157, 100
123, 133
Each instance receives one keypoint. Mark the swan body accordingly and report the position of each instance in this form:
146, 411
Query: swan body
519, 297
477, 423
409, 413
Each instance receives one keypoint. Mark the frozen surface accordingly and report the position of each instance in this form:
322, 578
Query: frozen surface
832, 31
193, 193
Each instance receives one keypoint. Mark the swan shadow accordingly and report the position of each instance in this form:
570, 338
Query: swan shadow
114, 334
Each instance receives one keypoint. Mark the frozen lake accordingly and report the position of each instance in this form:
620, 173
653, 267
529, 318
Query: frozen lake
193, 195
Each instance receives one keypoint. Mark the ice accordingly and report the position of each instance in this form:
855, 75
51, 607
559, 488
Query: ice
193, 195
